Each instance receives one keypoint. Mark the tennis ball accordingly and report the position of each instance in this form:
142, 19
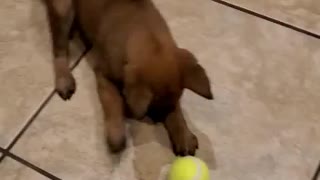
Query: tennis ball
188, 168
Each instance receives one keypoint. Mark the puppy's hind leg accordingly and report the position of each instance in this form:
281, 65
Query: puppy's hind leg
113, 107
61, 15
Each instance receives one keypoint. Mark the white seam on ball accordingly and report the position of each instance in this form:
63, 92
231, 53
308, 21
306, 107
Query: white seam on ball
197, 176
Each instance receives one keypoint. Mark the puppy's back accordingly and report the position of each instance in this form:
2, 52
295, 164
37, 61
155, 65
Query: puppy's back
126, 30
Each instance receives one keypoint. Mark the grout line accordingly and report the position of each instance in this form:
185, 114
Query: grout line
267, 18
28, 164
6, 152
31, 119
3, 151
270, 19
317, 173
2, 157
42, 105
83, 54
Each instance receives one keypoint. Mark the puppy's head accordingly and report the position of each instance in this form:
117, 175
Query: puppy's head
158, 86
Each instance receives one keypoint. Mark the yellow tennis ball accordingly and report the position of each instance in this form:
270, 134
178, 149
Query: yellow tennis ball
188, 168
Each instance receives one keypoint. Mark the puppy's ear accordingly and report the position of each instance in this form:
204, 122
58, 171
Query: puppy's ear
194, 75
138, 96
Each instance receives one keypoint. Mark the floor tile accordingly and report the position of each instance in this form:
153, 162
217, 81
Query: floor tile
67, 137
302, 13
11, 169
263, 123
25, 63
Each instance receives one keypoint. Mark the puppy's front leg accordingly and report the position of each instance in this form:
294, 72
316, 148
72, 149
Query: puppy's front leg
60, 14
112, 104
183, 141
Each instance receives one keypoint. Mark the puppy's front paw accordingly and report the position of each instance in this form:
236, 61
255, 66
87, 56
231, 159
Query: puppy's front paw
116, 137
65, 86
116, 145
184, 144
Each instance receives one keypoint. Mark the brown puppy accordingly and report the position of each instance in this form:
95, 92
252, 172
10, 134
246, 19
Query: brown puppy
140, 65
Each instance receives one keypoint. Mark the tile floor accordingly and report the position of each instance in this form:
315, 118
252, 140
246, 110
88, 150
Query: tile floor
301, 13
263, 124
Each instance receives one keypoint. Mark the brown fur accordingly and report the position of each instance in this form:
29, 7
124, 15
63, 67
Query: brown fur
140, 65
